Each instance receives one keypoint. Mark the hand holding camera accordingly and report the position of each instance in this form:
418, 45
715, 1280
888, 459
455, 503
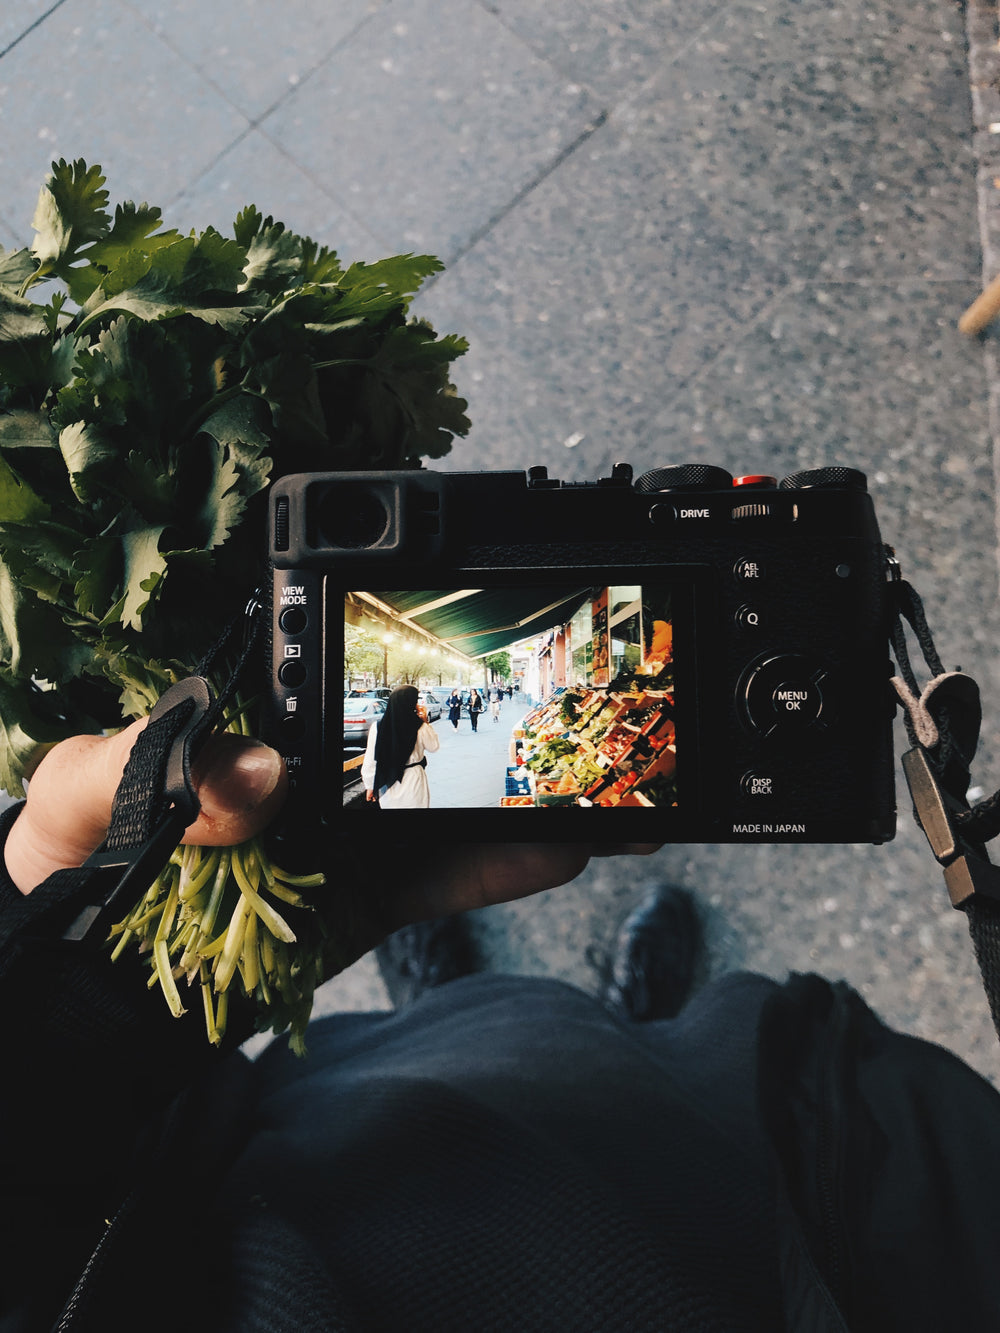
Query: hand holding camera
241, 786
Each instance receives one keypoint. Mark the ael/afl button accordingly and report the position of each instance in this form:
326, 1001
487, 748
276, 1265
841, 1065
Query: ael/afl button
784, 696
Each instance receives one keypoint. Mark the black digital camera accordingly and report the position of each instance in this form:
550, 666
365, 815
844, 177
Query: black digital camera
687, 657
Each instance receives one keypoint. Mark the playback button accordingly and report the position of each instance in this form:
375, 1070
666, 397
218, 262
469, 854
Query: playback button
292, 674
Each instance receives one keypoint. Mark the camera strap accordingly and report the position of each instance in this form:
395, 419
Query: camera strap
156, 799
942, 720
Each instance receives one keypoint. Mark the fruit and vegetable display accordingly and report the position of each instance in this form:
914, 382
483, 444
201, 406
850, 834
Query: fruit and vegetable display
602, 745
152, 384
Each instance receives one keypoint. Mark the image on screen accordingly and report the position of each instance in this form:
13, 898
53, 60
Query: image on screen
513, 698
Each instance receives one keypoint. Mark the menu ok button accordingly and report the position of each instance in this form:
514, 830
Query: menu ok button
784, 695
798, 701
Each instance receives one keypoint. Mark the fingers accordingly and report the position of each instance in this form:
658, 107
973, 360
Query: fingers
627, 849
466, 878
68, 809
241, 784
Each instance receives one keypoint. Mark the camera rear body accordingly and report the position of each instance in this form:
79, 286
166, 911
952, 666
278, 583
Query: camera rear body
706, 657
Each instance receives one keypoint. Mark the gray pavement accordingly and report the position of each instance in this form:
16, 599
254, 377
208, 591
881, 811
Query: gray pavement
470, 768
738, 233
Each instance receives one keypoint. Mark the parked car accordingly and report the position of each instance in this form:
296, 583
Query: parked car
432, 703
360, 715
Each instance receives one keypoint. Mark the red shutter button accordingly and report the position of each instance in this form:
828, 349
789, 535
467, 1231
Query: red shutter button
756, 479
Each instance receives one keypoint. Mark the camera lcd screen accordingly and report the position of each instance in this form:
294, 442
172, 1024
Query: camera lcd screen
537, 697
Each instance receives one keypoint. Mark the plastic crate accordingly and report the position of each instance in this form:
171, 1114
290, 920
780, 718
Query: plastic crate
518, 783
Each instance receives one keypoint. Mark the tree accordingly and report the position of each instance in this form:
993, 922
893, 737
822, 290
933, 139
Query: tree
410, 664
498, 664
362, 653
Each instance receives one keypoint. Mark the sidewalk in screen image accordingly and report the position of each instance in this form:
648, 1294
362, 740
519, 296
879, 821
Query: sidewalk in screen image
470, 769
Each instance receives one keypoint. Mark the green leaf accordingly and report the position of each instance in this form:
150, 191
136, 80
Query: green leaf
93, 286
277, 258
248, 224
149, 299
16, 267
144, 567
69, 215
402, 275
148, 486
18, 502
113, 618
51, 313
134, 228
319, 264
24, 733
100, 567
287, 383
223, 503
30, 445
88, 453
34, 639
196, 276
142, 682
198, 264
41, 554
132, 373
239, 422
274, 257
22, 429
123, 256
25, 342
240, 426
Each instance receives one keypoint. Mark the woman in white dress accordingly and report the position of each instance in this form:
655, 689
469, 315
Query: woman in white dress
395, 770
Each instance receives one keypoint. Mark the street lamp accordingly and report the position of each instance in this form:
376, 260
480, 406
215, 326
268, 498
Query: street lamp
385, 660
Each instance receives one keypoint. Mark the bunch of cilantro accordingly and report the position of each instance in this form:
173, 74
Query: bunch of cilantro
151, 386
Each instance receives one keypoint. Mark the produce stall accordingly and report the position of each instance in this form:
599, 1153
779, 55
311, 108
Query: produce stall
597, 745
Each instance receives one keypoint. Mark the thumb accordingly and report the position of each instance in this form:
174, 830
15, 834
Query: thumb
241, 784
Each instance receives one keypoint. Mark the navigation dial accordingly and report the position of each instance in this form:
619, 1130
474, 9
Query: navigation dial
785, 695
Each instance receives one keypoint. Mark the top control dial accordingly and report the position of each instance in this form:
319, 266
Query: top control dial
826, 479
684, 477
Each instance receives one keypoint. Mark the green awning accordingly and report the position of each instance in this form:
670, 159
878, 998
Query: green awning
485, 620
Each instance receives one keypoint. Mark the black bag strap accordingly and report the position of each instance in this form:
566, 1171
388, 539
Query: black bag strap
156, 799
942, 721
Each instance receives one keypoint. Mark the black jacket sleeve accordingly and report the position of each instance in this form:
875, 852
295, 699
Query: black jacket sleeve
92, 1059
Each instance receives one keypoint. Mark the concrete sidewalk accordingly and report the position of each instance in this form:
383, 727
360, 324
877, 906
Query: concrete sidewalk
470, 768
738, 233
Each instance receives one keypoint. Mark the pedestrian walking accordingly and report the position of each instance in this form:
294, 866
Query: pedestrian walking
476, 706
495, 703
394, 770
454, 708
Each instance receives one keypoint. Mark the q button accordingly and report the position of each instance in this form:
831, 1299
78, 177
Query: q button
750, 617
